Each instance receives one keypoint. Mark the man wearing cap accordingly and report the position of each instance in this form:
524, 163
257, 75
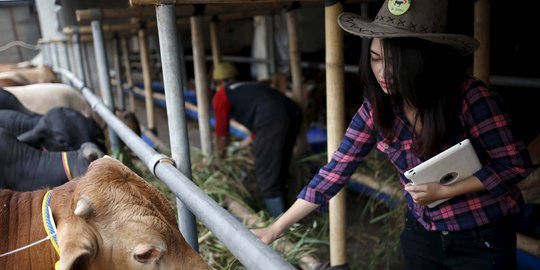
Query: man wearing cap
274, 121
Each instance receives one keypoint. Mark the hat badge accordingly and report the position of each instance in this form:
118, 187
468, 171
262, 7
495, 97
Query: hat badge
399, 7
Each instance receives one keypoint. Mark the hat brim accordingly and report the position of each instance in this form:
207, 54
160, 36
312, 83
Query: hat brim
360, 26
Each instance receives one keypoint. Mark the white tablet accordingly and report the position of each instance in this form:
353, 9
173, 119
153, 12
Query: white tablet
453, 164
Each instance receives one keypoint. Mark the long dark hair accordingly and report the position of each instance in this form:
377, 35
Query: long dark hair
422, 74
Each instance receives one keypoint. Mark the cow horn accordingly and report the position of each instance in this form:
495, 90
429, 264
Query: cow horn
34, 135
84, 207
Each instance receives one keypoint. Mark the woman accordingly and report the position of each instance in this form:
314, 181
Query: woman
419, 102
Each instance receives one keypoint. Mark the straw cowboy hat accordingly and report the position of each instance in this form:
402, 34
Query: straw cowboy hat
224, 71
425, 19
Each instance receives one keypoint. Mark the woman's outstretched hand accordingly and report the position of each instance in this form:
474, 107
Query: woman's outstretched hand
267, 235
297, 211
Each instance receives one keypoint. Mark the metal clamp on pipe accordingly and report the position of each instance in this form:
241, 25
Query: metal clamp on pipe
159, 158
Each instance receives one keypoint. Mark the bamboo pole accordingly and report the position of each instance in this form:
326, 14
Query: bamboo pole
296, 74
106, 28
294, 52
83, 15
528, 244
335, 126
127, 70
216, 53
145, 61
481, 33
201, 85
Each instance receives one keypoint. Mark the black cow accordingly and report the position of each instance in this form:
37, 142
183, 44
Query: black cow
24, 168
8, 101
61, 129
17, 122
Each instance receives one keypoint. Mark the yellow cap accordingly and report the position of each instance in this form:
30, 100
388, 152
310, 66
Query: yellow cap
224, 71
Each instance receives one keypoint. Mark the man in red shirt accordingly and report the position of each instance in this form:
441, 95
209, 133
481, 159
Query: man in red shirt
274, 121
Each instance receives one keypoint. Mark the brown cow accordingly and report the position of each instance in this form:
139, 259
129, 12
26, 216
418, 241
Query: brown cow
108, 219
23, 76
14, 66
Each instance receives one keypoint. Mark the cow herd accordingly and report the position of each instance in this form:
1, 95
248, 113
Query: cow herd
63, 204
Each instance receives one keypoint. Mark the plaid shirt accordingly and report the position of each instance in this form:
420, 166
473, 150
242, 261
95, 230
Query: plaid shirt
504, 158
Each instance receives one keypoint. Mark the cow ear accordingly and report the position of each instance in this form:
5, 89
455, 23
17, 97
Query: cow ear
75, 259
77, 247
35, 135
90, 151
147, 254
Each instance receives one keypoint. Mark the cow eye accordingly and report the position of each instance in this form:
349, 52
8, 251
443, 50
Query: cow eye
62, 142
147, 256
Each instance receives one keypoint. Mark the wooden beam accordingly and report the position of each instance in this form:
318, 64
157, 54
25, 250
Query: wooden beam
123, 27
191, 2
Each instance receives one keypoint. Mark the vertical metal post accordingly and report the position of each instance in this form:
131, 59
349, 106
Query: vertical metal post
65, 57
56, 61
45, 52
118, 72
270, 38
87, 54
174, 96
103, 71
77, 52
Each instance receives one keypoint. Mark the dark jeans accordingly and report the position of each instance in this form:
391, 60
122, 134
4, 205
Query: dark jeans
274, 145
492, 246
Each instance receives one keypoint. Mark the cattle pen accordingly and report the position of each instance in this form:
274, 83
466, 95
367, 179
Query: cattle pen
94, 38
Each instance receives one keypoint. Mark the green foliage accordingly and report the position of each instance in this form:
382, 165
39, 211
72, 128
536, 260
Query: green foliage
373, 229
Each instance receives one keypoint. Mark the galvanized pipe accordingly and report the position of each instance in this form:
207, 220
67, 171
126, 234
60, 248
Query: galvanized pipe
103, 72
249, 250
121, 101
66, 57
46, 53
56, 60
77, 52
174, 98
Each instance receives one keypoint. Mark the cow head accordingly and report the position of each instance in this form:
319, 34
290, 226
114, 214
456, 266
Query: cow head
63, 129
121, 222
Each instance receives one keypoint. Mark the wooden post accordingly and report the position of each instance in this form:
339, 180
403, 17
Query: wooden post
294, 53
296, 74
127, 68
201, 84
481, 33
145, 62
335, 116
216, 53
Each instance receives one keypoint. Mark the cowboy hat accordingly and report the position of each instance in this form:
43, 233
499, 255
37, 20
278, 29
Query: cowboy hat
425, 19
